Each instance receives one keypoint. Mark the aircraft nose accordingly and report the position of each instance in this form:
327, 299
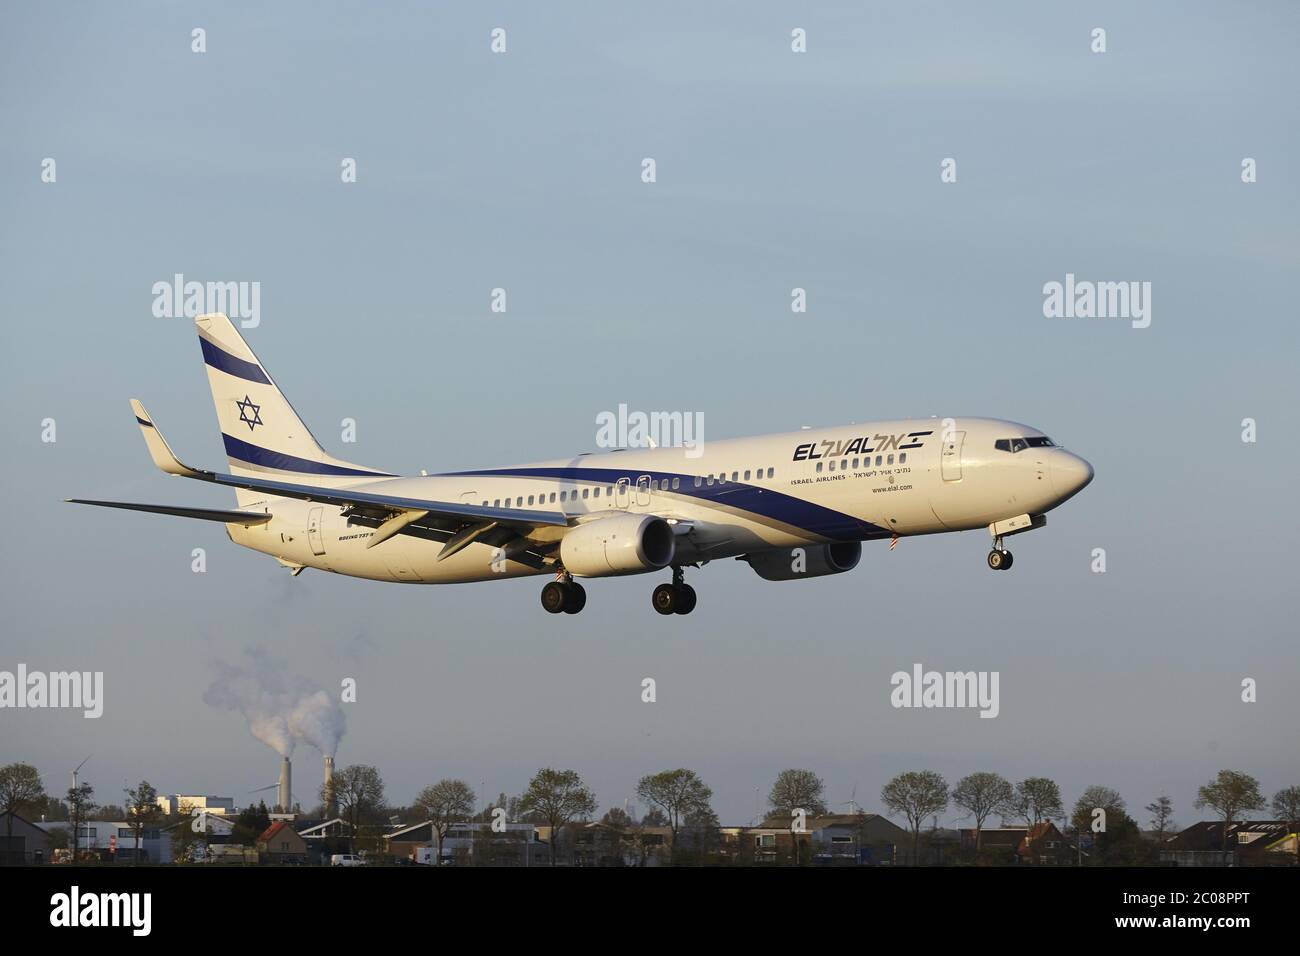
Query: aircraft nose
1070, 474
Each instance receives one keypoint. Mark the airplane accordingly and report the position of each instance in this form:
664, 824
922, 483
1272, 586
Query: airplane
793, 506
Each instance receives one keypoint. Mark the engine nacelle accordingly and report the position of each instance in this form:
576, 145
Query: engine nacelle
786, 564
619, 544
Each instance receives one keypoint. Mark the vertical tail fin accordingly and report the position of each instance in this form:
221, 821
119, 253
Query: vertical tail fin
262, 433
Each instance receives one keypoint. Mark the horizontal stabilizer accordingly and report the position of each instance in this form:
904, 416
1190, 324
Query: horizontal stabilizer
205, 514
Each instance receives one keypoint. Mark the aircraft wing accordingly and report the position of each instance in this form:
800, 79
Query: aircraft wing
405, 510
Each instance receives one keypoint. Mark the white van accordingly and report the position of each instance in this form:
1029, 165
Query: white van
346, 859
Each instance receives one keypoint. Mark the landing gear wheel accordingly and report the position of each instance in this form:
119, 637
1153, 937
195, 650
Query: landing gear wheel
666, 599
576, 598
554, 597
686, 599
999, 560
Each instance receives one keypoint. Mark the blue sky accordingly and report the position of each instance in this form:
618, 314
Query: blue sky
775, 170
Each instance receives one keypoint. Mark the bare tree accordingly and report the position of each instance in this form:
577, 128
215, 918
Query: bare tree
359, 792
915, 795
1286, 806
557, 797
981, 795
1036, 799
445, 802
141, 810
1229, 794
1162, 815
20, 791
681, 795
81, 803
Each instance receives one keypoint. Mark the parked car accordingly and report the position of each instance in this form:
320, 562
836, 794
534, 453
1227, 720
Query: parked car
346, 859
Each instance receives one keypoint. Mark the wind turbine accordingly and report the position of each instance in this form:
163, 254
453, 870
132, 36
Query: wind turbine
852, 803
79, 766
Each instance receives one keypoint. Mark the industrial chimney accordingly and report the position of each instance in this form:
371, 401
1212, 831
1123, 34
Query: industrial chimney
331, 805
285, 793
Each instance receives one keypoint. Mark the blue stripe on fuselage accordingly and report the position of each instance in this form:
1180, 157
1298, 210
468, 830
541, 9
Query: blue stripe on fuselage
231, 365
787, 509
256, 455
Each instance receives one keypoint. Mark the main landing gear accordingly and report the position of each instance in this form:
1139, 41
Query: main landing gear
999, 557
564, 594
675, 598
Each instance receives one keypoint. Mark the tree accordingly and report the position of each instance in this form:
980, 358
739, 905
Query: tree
617, 818
1286, 806
683, 798
359, 792
654, 817
556, 797
915, 795
445, 802
1229, 794
141, 810
81, 803
1117, 819
1035, 800
1162, 815
981, 795
21, 792
797, 790
1092, 798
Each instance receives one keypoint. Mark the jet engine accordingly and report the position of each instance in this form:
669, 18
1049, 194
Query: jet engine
619, 544
808, 561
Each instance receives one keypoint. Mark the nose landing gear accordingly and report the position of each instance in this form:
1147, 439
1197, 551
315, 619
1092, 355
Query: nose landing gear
675, 598
564, 594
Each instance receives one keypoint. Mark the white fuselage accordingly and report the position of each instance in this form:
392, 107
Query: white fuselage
728, 498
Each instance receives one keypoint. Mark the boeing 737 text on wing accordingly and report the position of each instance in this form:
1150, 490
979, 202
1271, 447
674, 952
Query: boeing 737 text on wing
794, 505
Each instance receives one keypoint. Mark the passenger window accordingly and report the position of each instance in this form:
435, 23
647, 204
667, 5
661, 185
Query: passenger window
769, 472
832, 464
747, 474
496, 503
595, 493
530, 499
902, 458
710, 481
519, 502
819, 466
485, 504
676, 481
552, 497
697, 481
878, 461
733, 475
891, 459
855, 463
585, 492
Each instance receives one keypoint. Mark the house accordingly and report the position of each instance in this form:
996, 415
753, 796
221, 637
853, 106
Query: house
1040, 845
279, 843
1248, 843
838, 838
29, 843
113, 841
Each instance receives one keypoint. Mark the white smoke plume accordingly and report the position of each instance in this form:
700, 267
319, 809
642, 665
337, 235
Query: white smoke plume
281, 709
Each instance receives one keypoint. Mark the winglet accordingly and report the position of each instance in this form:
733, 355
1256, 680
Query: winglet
159, 450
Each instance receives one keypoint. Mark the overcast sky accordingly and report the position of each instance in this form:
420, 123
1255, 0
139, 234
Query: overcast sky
775, 170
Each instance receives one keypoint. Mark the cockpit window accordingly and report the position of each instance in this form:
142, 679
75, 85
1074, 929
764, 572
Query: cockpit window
1014, 445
